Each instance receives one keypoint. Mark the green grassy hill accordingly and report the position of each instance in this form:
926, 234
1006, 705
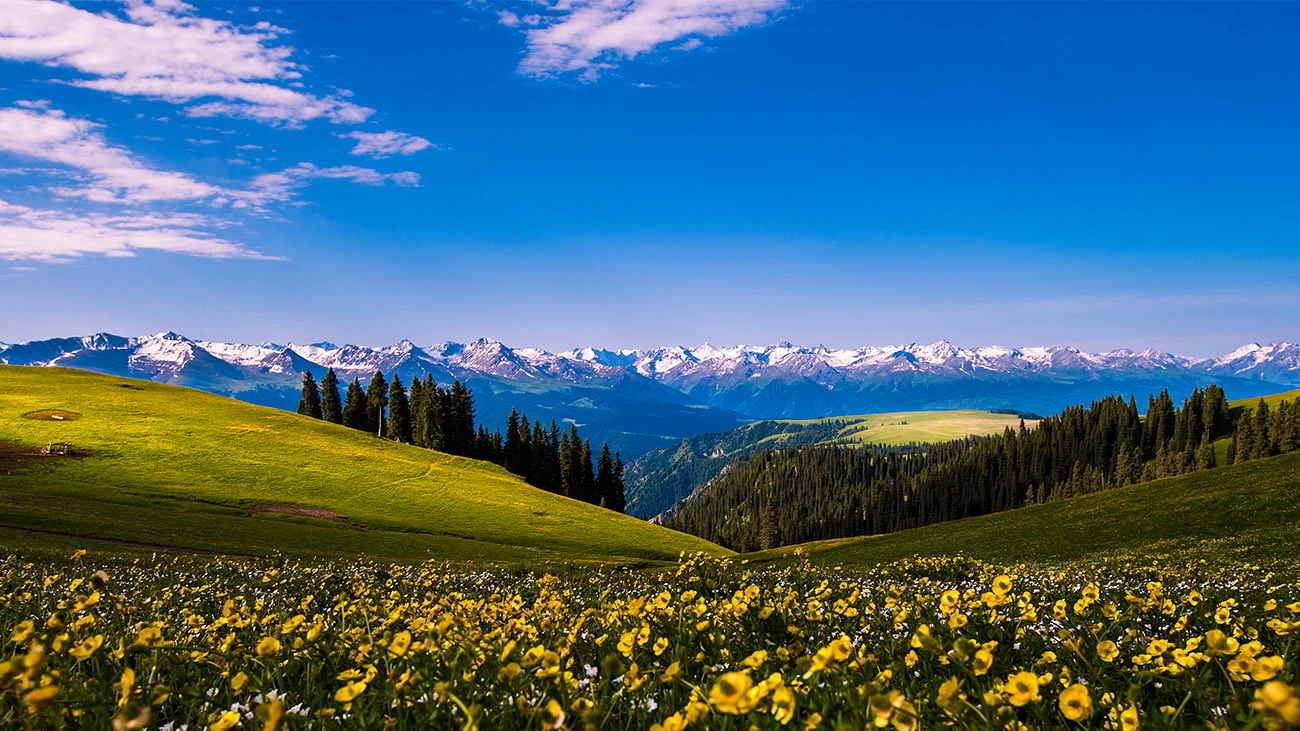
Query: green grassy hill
914, 427
178, 468
656, 481
1249, 511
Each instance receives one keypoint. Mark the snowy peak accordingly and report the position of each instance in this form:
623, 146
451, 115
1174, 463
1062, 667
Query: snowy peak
714, 369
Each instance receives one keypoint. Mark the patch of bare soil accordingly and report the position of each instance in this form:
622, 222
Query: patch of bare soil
306, 512
52, 415
15, 457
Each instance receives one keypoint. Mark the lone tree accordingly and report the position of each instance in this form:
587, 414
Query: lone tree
309, 403
331, 406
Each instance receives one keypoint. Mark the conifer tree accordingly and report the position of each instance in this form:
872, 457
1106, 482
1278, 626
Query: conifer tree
309, 402
1263, 444
330, 404
354, 407
605, 477
618, 496
376, 400
399, 413
514, 451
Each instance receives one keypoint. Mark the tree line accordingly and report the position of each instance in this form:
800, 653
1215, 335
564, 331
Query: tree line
791, 496
430, 416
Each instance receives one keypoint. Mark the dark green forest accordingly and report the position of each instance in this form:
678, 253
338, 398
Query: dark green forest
782, 497
430, 416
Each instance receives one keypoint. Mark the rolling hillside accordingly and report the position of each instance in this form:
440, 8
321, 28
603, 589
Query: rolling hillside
656, 481
173, 467
1248, 511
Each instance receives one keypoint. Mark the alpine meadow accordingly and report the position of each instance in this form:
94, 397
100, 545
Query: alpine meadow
584, 365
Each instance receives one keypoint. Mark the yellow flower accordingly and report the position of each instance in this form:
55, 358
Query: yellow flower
783, 704
983, 661
728, 693
349, 692
627, 642
23, 632
660, 645
38, 699
1021, 688
1279, 703
670, 674
1219, 643
1128, 720
225, 721
758, 657
400, 643
949, 694
812, 722
1107, 650
86, 647
675, 722
1266, 668
238, 682
141, 721
125, 686
1002, 585
268, 647
552, 714
1075, 703
271, 714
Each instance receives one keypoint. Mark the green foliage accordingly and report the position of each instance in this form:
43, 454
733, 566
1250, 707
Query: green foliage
309, 404
330, 403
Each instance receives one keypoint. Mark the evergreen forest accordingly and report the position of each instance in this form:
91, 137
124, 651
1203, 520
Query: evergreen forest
783, 497
427, 415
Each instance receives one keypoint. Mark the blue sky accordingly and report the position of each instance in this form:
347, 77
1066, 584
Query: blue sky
635, 173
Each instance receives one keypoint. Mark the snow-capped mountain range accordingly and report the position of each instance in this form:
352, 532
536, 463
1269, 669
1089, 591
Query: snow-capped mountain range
639, 399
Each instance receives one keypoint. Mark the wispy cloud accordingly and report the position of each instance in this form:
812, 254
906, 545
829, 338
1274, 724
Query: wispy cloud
379, 145
60, 236
587, 36
280, 186
163, 50
112, 174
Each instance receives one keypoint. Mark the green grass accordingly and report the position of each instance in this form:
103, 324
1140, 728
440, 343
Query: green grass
1249, 511
179, 468
916, 427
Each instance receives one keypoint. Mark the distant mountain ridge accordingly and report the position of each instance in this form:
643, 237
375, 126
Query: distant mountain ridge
645, 399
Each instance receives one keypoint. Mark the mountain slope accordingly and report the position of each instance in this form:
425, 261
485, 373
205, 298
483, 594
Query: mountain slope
640, 400
1250, 509
659, 479
178, 467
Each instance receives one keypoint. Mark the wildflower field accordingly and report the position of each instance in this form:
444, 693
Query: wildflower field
184, 642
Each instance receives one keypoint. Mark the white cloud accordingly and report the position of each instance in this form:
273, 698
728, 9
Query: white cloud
586, 36
280, 186
58, 236
113, 174
163, 50
386, 144
110, 174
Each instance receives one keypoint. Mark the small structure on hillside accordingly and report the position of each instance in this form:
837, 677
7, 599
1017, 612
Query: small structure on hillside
57, 448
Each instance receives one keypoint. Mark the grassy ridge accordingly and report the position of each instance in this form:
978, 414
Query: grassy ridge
183, 468
1248, 510
915, 427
